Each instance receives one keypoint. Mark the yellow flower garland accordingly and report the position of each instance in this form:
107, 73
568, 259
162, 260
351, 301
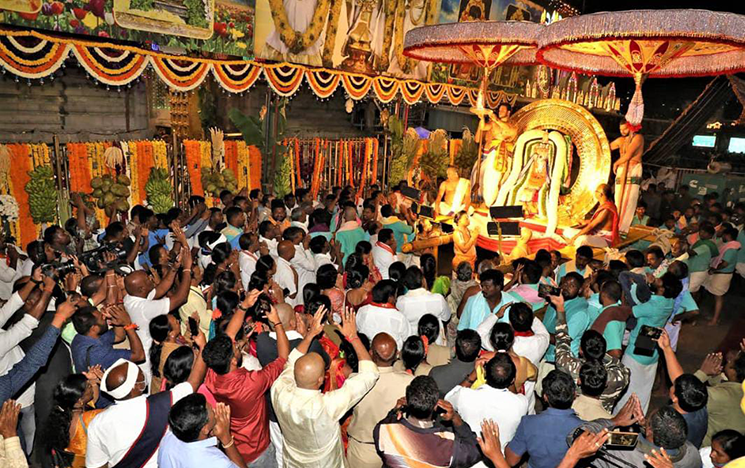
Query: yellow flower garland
331, 29
295, 41
133, 174
159, 154
243, 176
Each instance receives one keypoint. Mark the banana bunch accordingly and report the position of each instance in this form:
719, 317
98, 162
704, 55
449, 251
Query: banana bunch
159, 189
42, 195
215, 181
111, 193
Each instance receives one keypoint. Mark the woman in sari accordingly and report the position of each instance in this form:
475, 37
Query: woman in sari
66, 430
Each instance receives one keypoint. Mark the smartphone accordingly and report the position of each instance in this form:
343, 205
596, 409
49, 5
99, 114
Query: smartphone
193, 326
545, 290
620, 439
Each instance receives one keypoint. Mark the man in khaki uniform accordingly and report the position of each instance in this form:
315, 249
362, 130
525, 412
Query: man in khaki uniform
376, 404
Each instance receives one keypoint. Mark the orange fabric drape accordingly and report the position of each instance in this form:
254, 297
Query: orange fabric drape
254, 164
231, 155
19, 169
80, 168
192, 152
145, 162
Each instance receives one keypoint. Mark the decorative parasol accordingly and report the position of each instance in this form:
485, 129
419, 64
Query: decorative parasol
642, 43
487, 44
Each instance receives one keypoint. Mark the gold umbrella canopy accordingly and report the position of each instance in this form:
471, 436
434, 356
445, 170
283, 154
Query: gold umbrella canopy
641, 43
487, 44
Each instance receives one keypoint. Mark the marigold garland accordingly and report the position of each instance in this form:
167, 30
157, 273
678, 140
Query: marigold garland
80, 171
297, 164
254, 167
193, 157
134, 172
231, 155
376, 146
293, 40
21, 157
350, 166
242, 176
160, 156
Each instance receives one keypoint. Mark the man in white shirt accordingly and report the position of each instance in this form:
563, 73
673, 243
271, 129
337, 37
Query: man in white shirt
303, 261
249, 255
321, 250
418, 301
33, 301
286, 275
144, 301
310, 419
382, 316
10, 267
299, 218
384, 251
268, 236
119, 432
531, 336
493, 400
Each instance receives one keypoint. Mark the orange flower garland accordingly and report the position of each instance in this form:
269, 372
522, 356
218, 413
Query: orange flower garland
365, 162
231, 155
350, 168
297, 162
20, 155
254, 167
193, 156
145, 162
374, 176
80, 170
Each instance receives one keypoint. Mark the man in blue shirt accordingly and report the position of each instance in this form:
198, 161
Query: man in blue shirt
195, 430
653, 313
94, 343
544, 436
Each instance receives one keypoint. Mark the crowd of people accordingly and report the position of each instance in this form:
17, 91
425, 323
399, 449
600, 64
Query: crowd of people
299, 332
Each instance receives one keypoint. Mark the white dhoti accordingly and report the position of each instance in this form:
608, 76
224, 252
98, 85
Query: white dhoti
696, 280
599, 239
718, 284
627, 195
641, 382
459, 199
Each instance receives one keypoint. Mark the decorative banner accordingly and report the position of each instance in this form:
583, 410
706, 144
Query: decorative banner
412, 91
385, 88
181, 75
236, 77
322, 82
30, 55
284, 79
356, 86
111, 66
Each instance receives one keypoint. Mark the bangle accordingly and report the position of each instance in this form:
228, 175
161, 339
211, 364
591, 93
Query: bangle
352, 340
276, 324
131, 326
229, 444
186, 269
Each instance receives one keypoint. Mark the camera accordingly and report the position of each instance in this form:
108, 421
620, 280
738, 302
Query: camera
56, 270
646, 341
545, 290
94, 259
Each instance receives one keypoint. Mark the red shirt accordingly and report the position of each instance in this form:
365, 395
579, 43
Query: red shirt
244, 392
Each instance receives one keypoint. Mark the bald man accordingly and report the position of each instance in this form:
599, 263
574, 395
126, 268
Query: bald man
114, 436
376, 404
266, 351
286, 275
309, 418
145, 301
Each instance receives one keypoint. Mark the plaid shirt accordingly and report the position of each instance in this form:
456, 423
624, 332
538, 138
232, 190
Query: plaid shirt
618, 374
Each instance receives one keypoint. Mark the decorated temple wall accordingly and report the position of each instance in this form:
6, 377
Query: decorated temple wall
72, 107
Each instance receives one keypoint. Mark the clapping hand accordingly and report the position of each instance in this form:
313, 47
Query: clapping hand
222, 424
712, 364
9, 419
316, 325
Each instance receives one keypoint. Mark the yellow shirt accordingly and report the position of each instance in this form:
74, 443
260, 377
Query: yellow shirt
310, 419
195, 303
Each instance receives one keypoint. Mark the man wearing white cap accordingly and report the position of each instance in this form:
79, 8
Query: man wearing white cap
128, 433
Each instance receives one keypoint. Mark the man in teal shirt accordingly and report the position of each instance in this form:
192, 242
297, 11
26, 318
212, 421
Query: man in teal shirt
653, 313
350, 233
401, 231
722, 269
700, 256
611, 324
490, 301
576, 314
582, 258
